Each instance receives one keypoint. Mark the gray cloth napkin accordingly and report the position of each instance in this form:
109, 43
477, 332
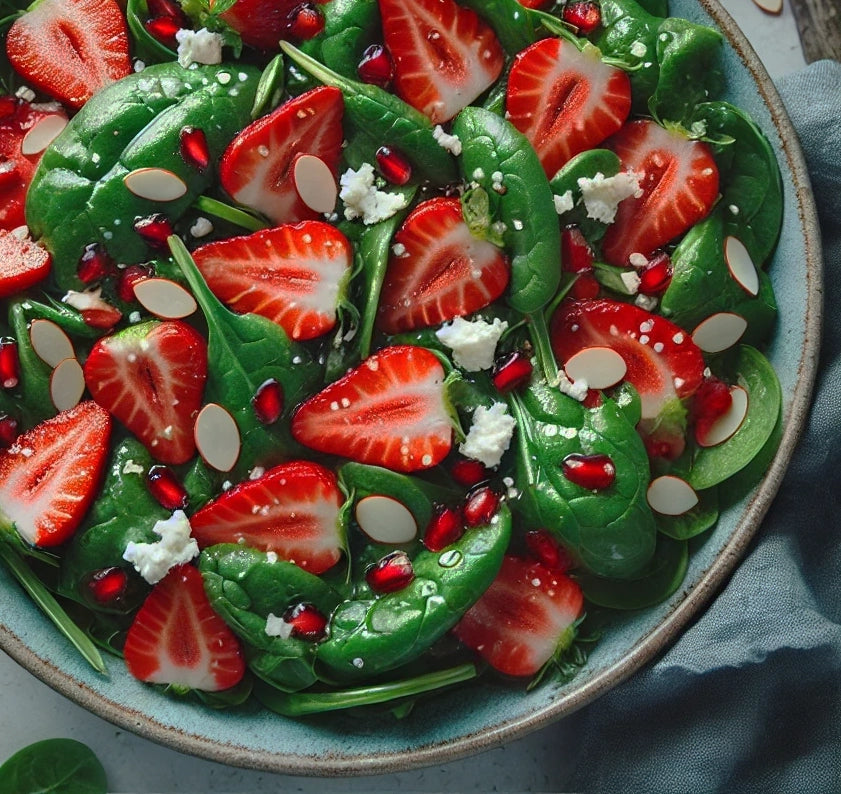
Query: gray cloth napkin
749, 698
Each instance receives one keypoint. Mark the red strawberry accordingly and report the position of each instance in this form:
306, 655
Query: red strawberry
257, 167
524, 619
679, 179
261, 23
49, 475
293, 510
441, 270
22, 262
444, 55
70, 49
176, 637
390, 411
293, 275
565, 101
151, 377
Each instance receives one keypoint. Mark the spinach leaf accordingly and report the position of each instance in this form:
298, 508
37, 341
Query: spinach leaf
53, 765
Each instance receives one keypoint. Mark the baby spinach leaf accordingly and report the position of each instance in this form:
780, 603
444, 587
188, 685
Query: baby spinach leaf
697, 520
53, 765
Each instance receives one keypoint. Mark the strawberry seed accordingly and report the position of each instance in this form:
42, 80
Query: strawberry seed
9, 363
193, 146
166, 488
392, 573
268, 402
593, 472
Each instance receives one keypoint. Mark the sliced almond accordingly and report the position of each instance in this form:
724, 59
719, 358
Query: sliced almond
671, 496
315, 183
42, 134
67, 384
217, 437
385, 520
719, 331
155, 184
741, 265
49, 342
770, 6
164, 298
728, 423
599, 367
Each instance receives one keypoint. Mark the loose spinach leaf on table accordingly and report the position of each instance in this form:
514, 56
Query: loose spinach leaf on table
53, 766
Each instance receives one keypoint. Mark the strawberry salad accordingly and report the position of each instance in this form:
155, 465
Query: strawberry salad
352, 351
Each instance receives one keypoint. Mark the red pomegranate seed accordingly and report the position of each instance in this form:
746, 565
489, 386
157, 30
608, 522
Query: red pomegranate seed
268, 401
163, 29
393, 572
306, 621
376, 66
393, 165
95, 264
194, 148
512, 371
166, 488
305, 21
576, 254
154, 230
445, 527
593, 472
543, 546
167, 8
585, 286
480, 507
128, 278
8, 431
8, 106
709, 403
108, 585
469, 472
656, 276
586, 16
9, 363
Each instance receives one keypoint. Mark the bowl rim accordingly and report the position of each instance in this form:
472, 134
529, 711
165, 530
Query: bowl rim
643, 650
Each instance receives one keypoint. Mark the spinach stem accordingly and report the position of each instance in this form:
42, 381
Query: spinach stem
219, 209
542, 347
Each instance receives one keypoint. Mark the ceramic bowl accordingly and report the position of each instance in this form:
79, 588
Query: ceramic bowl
482, 715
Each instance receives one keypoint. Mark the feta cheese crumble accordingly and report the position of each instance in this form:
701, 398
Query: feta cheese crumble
278, 627
363, 200
489, 435
175, 547
473, 342
201, 228
602, 194
564, 202
451, 143
198, 46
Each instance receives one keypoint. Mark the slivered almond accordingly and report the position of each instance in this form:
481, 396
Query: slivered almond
155, 184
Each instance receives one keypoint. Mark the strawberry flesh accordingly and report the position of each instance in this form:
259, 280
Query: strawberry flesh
23, 263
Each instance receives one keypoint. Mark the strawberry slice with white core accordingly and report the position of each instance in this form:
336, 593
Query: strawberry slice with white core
679, 182
151, 377
49, 475
438, 270
23, 262
524, 619
389, 411
292, 510
258, 167
176, 637
293, 275
564, 100
444, 55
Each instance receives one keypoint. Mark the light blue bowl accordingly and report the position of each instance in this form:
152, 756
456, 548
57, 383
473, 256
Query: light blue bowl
483, 715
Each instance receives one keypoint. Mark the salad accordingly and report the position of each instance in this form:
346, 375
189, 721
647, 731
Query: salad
352, 351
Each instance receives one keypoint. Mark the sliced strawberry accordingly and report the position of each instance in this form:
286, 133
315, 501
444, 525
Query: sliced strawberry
49, 475
257, 167
565, 101
292, 510
261, 23
679, 180
293, 275
441, 271
524, 619
176, 637
22, 262
390, 411
444, 55
70, 49
151, 377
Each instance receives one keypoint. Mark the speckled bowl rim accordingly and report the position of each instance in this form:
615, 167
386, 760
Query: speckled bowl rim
642, 652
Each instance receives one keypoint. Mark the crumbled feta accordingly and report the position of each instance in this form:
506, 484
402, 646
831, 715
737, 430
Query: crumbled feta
602, 194
489, 435
564, 202
638, 260
139, 65
473, 342
25, 93
363, 200
631, 281
638, 49
175, 547
647, 302
577, 389
198, 46
201, 228
278, 627
130, 467
451, 143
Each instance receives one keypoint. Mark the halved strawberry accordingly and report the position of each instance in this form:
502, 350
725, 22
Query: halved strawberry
524, 619
49, 475
441, 271
257, 167
292, 510
444, 55
679, 180
151, 377
176, 637
564, 100
22, 262
389, 411
261, 23
70, 49
292, 274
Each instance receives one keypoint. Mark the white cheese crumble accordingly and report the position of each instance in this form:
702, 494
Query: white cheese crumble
201, 228
564, 202
130, 467
638, 49
451, 143
647, 302
363, 200
631, 281
489, 435
278, 627
175, 547
602, 194
198, 46
473, 342
575, 389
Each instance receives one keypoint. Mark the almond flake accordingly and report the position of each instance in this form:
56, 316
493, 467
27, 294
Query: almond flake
155, 184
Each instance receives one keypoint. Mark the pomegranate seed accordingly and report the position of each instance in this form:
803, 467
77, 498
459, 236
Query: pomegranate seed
305, 21
586, 16
108, 585
593, 472
8, 431
8, 106
167, 8
9, 363
95, 264
128, 278
512, 371
393, 572
393, 165
194, 148
154, 230
469, 473
710, 402
376, 66
166, 488
163, 29
480, 506
306, 621
268, 401
445, 527
656, 276
585, 286
543, 546
576, 254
